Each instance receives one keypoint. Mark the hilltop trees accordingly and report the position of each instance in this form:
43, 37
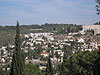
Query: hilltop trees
18, 61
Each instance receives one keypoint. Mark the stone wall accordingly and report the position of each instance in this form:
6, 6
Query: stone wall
96, 28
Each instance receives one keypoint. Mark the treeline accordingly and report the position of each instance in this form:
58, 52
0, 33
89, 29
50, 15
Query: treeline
7, 33
45, 28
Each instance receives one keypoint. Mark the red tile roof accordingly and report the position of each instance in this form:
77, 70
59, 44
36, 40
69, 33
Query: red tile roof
44, 53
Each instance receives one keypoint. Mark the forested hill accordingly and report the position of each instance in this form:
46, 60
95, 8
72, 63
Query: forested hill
7, 33
45, 28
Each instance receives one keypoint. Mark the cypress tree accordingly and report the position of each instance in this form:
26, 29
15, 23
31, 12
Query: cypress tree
67, 53
18, 61
62, 66
49, 68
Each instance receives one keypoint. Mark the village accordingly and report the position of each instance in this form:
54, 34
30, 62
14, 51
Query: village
38, 46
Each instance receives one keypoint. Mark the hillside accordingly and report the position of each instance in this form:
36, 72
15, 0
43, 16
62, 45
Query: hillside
7, 33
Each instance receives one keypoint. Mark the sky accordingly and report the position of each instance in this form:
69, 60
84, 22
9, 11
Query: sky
48, 11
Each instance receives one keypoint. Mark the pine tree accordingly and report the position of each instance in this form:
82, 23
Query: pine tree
67, 54
62, 66
18, 61
49, 68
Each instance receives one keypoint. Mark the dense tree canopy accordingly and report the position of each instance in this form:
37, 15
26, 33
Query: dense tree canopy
80, 64
31, 69
49, 68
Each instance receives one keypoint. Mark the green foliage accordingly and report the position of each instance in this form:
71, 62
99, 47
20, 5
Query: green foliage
67, 54
4, 73
96, 67
98, 6
67, 51
31, 69
80, 64
18, 61
49, 68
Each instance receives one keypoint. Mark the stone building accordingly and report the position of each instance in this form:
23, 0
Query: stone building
96, 28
